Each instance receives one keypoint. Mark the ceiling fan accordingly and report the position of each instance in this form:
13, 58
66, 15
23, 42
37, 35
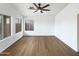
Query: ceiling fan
39, 7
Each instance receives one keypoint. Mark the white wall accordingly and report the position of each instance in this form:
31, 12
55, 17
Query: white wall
43, 26
9, 10
66, 25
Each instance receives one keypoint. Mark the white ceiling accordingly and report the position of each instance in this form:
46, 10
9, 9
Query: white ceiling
54, 7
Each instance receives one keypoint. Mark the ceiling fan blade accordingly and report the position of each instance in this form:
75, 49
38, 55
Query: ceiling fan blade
39, 4
32, 8
41, 11
46, 6
35, 11
45, 9
35, 5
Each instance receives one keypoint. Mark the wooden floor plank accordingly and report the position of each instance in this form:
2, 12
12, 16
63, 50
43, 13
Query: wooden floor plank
40, 46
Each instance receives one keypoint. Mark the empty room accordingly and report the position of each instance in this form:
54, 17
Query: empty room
39, 29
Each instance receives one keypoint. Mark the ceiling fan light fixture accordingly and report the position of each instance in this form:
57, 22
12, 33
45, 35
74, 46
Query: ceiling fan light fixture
39, 7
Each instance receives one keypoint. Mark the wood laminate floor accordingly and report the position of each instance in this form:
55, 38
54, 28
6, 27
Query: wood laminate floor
39, 46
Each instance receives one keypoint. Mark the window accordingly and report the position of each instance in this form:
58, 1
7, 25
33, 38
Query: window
5, 26
29, 25
18, 24
1, 27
